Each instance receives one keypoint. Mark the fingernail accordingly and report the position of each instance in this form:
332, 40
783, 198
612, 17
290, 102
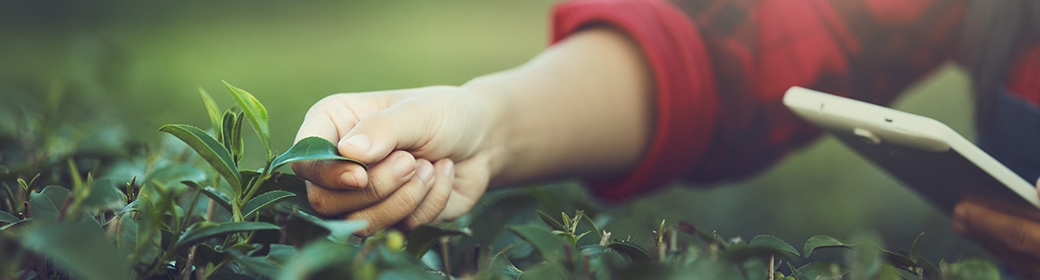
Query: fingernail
425, 171
449, 168
403, 166
359, 142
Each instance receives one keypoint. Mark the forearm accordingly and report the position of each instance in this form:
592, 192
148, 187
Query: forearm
582, 107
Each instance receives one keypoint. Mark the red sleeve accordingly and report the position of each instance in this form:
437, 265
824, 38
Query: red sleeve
683, 81
721, 66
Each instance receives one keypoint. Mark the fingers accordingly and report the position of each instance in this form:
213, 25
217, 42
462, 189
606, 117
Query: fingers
386, 177
980, 222
403, 126
400, 204
435, 201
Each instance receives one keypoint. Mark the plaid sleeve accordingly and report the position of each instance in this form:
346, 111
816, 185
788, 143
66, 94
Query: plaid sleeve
721, 68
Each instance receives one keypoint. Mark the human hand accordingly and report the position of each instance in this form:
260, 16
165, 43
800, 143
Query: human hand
1013, 238
428, 151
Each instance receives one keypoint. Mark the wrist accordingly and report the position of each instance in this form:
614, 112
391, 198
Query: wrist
493, 99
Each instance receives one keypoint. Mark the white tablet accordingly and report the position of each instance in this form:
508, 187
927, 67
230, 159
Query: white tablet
922, 153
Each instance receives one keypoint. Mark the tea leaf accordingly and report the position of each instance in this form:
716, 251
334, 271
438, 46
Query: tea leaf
499, 268
553, 223
210, 150
311, 148
203, 231
8, 218
256, 112
103, 195
634, 252
820, 270
770, 241
211, 109
317, 257
422, 237
339, 231
264, 200
822, 241
212, 193
551, 247
915, 248
81, 247
46, 204
974, 269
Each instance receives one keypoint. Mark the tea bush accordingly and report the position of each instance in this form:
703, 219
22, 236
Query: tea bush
81, 202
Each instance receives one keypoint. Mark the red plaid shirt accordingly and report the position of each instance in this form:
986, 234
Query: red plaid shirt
721, 68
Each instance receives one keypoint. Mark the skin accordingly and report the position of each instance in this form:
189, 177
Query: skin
583, 107
1011, 237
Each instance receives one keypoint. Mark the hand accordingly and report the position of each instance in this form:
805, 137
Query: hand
1013, 238
428, 150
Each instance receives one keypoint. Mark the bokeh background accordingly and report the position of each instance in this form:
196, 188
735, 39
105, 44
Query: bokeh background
139, 65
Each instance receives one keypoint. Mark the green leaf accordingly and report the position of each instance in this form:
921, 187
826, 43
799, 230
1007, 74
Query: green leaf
915, 248
264, 200
499, 268
552, 223
315, 258
8, 218
339, 231
211, 109
256, 112
135, 239
311, 148
820, 270
203, 231
770, 241
4, 169
103, 196
81, 247
633, 251
422, 237
551, 247
207, 147
822, 241
45, 205
212, 193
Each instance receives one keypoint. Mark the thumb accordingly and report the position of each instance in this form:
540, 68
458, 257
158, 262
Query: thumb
401, 127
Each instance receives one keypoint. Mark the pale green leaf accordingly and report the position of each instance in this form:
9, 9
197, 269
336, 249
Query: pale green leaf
8, 218
46, 204
822, 241
81, 247
256, 112
211, 108
210, 150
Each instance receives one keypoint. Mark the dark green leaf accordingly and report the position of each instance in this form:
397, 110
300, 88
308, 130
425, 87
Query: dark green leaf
82, 247
897, 259
770, 241
211, 109
212, 193
203, 231
8, 218
915, 248
315, 258
256, 112
822, 241
552, 223
4, 169
136, 239
339, 231
207, 147
103, 196
633, 251
311, 148
422, 237
17, 224
891, 272
499, 268
167, 178
45, 205
264, 200
545, 270
552, 247
820, 270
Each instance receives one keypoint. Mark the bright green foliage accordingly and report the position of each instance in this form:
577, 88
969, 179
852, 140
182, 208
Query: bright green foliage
193, 212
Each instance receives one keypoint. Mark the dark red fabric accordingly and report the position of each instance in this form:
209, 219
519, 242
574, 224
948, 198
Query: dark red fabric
721, 68
1024, 80
683, 83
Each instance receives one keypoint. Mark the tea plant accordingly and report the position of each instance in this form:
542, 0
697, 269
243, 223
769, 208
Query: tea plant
197, 214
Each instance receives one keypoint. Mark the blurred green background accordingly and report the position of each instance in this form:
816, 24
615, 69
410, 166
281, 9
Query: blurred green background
142, 63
